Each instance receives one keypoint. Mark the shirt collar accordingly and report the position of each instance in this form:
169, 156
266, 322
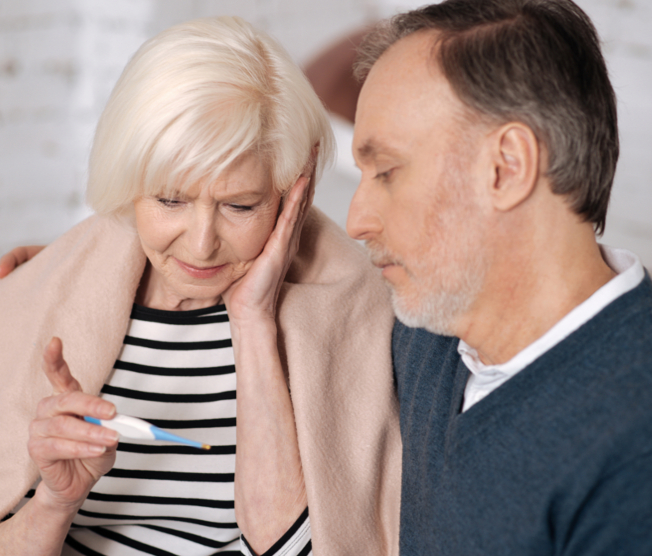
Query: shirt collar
630, 274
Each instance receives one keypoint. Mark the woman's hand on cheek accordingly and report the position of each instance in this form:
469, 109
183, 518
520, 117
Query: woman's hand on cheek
254, 296
70, 453
269, 487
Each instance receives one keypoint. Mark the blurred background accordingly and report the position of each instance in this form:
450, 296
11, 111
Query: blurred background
59, 60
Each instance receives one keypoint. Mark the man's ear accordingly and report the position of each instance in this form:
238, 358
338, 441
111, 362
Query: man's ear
516, 160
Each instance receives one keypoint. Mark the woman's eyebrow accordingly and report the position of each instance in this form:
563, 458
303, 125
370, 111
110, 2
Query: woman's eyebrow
250, 195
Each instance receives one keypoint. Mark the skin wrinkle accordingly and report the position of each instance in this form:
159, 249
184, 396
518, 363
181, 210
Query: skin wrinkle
429, 294
205, 230
497, 261
445, 290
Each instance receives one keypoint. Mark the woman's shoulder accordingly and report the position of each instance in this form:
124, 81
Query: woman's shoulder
96, 237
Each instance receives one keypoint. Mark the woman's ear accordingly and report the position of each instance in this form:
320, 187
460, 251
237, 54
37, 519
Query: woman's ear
516, 161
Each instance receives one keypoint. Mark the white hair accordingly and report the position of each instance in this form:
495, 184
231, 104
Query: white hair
192, 100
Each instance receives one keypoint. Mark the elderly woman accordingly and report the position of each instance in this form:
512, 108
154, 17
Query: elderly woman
203, 263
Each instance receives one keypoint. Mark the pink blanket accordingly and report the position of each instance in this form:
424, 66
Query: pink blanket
335, 325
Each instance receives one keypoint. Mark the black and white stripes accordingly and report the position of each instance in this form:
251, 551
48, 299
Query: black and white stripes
176, 370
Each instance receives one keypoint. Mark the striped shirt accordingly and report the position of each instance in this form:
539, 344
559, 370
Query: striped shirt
176, 370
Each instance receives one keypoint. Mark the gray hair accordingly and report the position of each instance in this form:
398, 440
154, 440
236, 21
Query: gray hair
534, 61
195, 98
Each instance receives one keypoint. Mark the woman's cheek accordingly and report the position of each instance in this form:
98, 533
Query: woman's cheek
247, 245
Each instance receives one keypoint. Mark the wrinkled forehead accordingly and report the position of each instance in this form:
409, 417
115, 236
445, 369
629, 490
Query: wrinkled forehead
249, 174
404, 99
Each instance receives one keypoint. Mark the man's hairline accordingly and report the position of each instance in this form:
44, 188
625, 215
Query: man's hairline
467, 118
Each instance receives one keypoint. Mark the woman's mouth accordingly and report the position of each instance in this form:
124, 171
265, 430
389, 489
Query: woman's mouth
201, 272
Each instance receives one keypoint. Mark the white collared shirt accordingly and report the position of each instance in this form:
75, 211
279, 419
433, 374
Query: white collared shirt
484, 379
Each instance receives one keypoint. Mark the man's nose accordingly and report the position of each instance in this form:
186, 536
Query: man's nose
363, 221
204, 238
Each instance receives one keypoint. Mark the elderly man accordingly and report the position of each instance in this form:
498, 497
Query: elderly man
486, 134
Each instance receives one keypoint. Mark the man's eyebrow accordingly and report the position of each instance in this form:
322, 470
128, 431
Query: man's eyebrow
367, 151
372, 149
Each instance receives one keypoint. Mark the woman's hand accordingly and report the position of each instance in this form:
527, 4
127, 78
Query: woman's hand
18, 256
70, 453
254, 296
270, 492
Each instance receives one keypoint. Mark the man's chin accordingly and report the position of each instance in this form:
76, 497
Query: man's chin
425, 315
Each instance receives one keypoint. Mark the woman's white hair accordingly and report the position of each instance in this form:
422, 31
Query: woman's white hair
192, 100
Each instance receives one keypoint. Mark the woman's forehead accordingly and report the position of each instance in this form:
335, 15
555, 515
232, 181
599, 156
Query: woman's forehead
247, 176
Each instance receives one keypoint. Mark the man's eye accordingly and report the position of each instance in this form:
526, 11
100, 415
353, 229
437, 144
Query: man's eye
384, 176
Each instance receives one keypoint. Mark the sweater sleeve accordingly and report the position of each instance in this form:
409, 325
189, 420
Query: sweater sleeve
616, 519
296, 541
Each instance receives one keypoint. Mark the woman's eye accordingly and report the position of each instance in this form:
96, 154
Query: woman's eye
241, 208
168, 202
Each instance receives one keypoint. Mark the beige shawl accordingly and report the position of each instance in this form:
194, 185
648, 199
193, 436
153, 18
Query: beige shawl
335, 325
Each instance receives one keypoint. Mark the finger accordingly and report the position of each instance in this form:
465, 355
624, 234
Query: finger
311, 190
75, 403
309, 171
72, 428
310, 195
298, 196
52, 450
287, 222
7, 263
56, 369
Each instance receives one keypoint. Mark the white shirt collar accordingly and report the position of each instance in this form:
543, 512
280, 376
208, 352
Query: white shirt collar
486, 378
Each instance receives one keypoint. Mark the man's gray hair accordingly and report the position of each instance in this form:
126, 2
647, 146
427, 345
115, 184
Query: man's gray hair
534, 61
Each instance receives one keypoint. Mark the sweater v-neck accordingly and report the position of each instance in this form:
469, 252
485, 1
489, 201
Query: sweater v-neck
511, 397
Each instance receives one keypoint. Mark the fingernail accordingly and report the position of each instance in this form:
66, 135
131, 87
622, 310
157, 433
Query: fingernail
111, 435
95, 449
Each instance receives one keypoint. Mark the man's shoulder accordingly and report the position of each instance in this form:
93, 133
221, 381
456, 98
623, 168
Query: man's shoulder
621, 334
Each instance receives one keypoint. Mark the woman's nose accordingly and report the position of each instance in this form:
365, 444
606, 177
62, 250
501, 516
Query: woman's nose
203, 235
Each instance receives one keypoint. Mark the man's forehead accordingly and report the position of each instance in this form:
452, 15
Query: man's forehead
410, 55
401, 97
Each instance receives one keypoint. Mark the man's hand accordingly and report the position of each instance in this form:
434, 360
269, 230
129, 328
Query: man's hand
18, 256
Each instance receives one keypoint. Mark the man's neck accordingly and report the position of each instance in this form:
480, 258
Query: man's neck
526, 295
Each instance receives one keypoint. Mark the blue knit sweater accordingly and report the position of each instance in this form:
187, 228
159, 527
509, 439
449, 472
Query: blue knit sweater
558, 460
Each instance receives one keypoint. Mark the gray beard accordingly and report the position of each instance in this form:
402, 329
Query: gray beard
437, 312
438, 308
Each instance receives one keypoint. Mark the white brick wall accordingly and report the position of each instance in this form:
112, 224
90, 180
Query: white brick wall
60, 58
58, 62
624, 26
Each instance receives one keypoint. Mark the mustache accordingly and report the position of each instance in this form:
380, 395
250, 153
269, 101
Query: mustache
380, 255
